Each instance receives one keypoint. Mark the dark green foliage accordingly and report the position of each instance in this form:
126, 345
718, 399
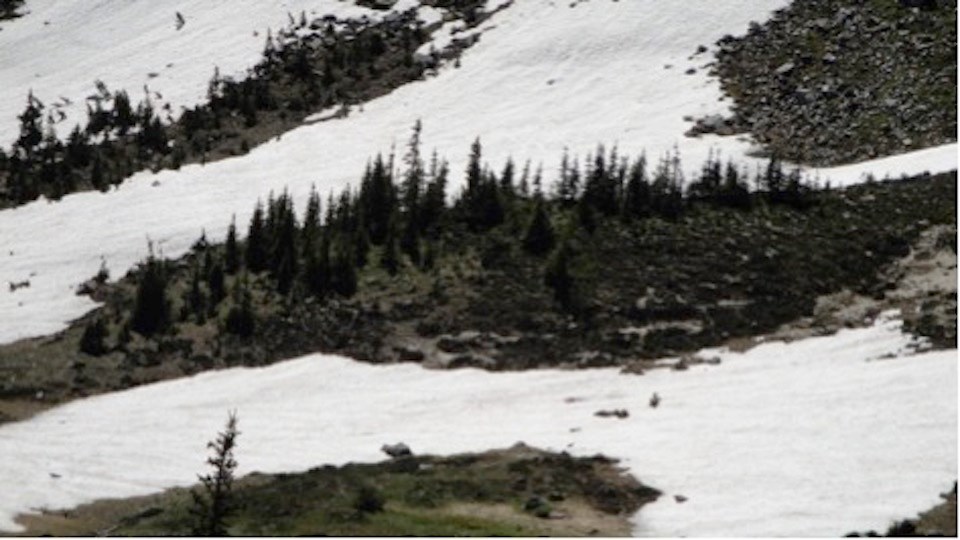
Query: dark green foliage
343, 271
196, 301
316, 273
8, 9
480, 204
213, 503
92, 341
333, 66
559, 277
240, 319
390, 258
636, 199
539, 238
256, 255
216, 284
231, 249
377, 200
151, 311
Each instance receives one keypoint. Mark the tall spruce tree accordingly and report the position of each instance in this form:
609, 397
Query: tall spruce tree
231, 257
539, 237
151, 310
256, 256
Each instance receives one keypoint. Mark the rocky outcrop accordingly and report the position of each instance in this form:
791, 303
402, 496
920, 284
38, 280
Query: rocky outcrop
826, 82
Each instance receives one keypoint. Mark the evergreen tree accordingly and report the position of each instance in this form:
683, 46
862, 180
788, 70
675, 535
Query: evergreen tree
343, 272
231, 250
285, 253
31, 125
216, 284
196, 301
506, 179
316, 271
568, 185
151, 311
539, 237
311, 222
377, 200
636, 200
390, 258
411, 197
212, 504
257, 242
559, 278
734, 192
435, 198
123, 117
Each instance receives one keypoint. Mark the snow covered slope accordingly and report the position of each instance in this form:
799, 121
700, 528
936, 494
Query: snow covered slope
60, 47
544, 76
815, 438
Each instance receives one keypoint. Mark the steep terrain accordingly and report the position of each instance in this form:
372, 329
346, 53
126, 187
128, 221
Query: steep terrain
232, 231
827, 82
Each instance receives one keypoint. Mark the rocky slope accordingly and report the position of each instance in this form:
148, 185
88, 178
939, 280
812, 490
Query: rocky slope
827, 82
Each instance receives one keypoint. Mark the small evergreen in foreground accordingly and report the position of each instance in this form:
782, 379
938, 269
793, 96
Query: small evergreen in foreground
212, 504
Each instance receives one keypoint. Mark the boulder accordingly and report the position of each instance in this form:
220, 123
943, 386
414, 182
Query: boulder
397, 450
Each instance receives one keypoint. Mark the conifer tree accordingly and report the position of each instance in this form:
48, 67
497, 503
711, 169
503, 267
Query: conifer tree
434, 200
196, 301
636, 200
216, 284
378, 200
31, 125
506, 179
558, 276
343, 272
256, 256
316, 272
539, 239
311, 221
390, 258
231, 250
212, 504
151, 311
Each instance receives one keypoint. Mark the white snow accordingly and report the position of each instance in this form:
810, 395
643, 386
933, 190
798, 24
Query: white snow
545, 76
818, 437
807, 438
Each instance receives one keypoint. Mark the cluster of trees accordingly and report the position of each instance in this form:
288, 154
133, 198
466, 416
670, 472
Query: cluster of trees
339, 62
117, 140
399, 218
8, 8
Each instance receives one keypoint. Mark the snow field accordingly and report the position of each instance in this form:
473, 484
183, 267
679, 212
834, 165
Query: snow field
818, 437
544, 76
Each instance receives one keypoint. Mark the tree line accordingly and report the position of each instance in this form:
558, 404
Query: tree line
398, 218
338, 62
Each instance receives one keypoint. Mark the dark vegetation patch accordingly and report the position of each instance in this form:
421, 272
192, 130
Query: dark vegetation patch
309, 66
9, 9
614, 266
827, 82
417, 495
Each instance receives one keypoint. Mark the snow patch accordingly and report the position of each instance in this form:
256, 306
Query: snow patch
803, 438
